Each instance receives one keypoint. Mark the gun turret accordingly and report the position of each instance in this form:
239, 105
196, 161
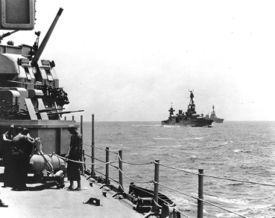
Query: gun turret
46, 38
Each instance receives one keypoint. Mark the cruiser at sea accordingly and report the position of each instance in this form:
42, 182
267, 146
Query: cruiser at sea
189, 118
214, 117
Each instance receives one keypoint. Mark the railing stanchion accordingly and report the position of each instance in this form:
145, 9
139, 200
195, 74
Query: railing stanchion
93, 147
83, 168
84, 161
107, 166
120, 170
72, 118
156, 185
200, 194
81, 126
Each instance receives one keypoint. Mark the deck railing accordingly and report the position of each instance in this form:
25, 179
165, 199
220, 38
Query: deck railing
118, 163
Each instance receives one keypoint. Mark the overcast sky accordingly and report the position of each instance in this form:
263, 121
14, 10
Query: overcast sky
129, 60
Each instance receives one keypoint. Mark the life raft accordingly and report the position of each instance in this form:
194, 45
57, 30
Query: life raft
144, 202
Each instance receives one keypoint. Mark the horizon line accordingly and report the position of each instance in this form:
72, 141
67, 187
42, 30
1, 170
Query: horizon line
160, 121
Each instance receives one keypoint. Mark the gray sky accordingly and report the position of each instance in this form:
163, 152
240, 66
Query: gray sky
128, 60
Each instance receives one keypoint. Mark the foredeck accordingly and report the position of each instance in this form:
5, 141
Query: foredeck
52, 202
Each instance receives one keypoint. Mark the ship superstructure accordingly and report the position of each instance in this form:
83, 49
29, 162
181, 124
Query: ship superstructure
30, 95
188, 118
214, 117
31, 98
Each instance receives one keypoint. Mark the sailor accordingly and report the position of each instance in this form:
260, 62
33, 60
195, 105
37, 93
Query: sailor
22, 149
38, 146
74, 156
7, 142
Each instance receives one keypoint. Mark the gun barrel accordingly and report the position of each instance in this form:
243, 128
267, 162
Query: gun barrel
18, 82
65, 112
48, 110
46, 38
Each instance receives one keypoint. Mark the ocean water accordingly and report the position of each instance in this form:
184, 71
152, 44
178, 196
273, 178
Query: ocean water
237, 150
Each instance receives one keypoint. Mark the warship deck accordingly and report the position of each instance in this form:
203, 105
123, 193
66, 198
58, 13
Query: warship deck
52, 202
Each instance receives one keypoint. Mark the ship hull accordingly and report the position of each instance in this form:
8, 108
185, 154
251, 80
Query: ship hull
200, 122
218, 120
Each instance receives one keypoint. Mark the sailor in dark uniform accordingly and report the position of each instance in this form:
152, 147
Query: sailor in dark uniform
7, 144
22, 149
74, 154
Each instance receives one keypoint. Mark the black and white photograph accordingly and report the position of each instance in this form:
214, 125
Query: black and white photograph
137, 109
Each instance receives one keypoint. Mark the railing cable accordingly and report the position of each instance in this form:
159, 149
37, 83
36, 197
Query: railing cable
208, 202
132, 163
134, 180
116, 167
102, 161
102, 149
87, 155
70, 160
242, 181
179, 169
216, 177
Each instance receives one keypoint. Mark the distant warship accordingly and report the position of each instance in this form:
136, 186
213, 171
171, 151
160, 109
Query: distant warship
214, 117
189, 118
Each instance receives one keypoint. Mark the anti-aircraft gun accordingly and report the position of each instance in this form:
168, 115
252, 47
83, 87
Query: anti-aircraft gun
30, 95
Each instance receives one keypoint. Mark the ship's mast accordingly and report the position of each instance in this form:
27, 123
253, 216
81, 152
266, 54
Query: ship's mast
191, 107
171, 111
213, 113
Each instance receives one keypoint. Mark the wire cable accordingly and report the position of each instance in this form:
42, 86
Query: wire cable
134, 180
216, 177
208, 202
132, 163
242, 181
70, 160
179, 169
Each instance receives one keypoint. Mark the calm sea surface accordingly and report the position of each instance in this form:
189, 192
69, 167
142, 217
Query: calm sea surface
238, 150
